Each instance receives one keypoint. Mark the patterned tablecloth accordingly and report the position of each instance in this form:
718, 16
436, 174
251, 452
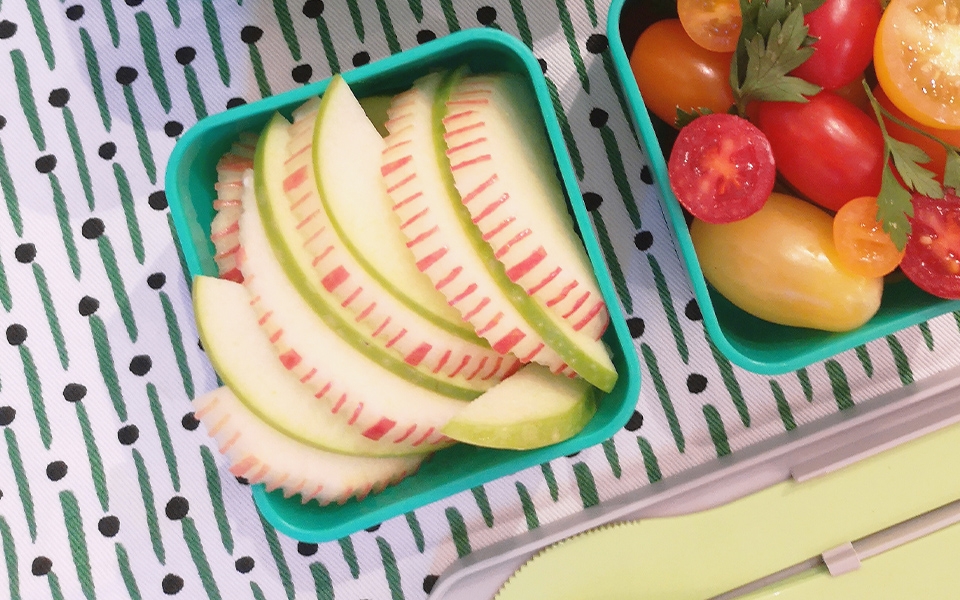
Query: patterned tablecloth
108, 487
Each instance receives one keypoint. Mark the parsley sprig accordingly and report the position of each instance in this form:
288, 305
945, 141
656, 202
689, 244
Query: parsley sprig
894, 202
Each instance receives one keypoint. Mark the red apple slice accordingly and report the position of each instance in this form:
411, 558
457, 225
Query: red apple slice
224, 228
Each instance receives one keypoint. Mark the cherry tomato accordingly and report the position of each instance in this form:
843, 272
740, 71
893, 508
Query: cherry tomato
845, 30
935, 151
855, 93
932, 257
713, 24
721, 168
915, 57
780, 265
827, 149
863, 247
673, 71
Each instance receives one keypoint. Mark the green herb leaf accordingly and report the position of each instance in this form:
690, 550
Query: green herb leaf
893, 207
951, 172
907, 159
684, 118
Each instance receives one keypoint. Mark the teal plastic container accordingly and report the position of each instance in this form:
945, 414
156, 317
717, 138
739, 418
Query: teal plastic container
749, 342
190, 177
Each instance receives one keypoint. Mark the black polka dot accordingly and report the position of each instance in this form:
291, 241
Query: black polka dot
177, 508
428, 582
156, 280
189, 421
140, 364
59, 97
109, 526
41, 566
597, 43
157, 200
425, 35
543, 64
56, 470
692, 311
635, 422
171, 584
3, 121
107, 150
637, 326
200, 344
312, 9
573, 454
16, 334
134, 2
646, 175
235, 102
643, 240
7, 415
242, 480
126, 75
185, 55
173, 128
250, 34
373, 528
88, 305
696, 383
128, 434
598, 117
92, 228
74, 392
75, 12
486, 15
244, 564
46, 163
302, 73
7, 29
592, 200
25, 253
305, 549
361, 58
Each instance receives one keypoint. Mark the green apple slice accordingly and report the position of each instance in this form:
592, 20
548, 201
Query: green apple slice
531, 409
246, 362
503, 169
454, 254
371, 320
261, 454
377, 400
224, 228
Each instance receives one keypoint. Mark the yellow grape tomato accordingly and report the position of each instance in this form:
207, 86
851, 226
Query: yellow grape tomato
780, 265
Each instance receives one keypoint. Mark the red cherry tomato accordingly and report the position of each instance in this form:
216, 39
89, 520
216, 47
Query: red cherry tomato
721, 168
845, 30
932, 256
827, 148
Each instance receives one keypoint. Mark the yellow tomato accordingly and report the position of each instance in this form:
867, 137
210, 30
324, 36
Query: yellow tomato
780, 265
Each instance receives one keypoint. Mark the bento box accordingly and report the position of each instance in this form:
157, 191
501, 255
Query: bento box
190, 179
747, 341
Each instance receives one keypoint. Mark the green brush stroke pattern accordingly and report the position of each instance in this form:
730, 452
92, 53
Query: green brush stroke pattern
97, 473
450, 14
25, 90
523, 26
111, 18
173, 7
611, 70
109, 258
458, 530
900, 359
392, 42
350, 555
51, 313
78, 155
804, 377
283, 569
650, 462
529, 508
566, 24
107, 369
864, 356
149, 507
215, 489
212, 23
151, 57
23, 483
613, 263
551, 479
10, 558
96, 78
666, 301
613, 459
56, 592
483, 503
390, 568
730, 381
586, 485
568, 138
63, 218
129, 579
6, 300
176, 342
43, 33
13, 208
78, 542
36, 395
927, 334
258, 593
357, 17
415, 530
322, 583
140, 132
282, 11
717, 431
129, 212
328, 48
166, 444
612, 148
196, 94
786, 415
259, 72
839, 384
195, 545
650, 358
416, 8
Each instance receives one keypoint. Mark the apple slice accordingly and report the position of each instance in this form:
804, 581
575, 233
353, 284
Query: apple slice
224, 229
503, 169
246, 362
379, 402
261, 454
531, 409
452, 252
410, 327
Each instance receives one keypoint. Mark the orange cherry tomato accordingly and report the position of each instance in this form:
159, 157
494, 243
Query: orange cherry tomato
915, 57
935, 151
863, 247
713, 24
674, 71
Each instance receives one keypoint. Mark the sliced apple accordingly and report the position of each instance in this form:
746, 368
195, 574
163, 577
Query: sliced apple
454, 255
261, 454
375, 108
379, 402
224, 228
531, 409
503, 169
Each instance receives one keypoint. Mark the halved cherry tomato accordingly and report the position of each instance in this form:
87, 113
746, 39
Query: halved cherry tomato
827, 148
932, 257
713, 24
673, 71
863, 247
935, 151
721, 168
844, 30
916, 58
